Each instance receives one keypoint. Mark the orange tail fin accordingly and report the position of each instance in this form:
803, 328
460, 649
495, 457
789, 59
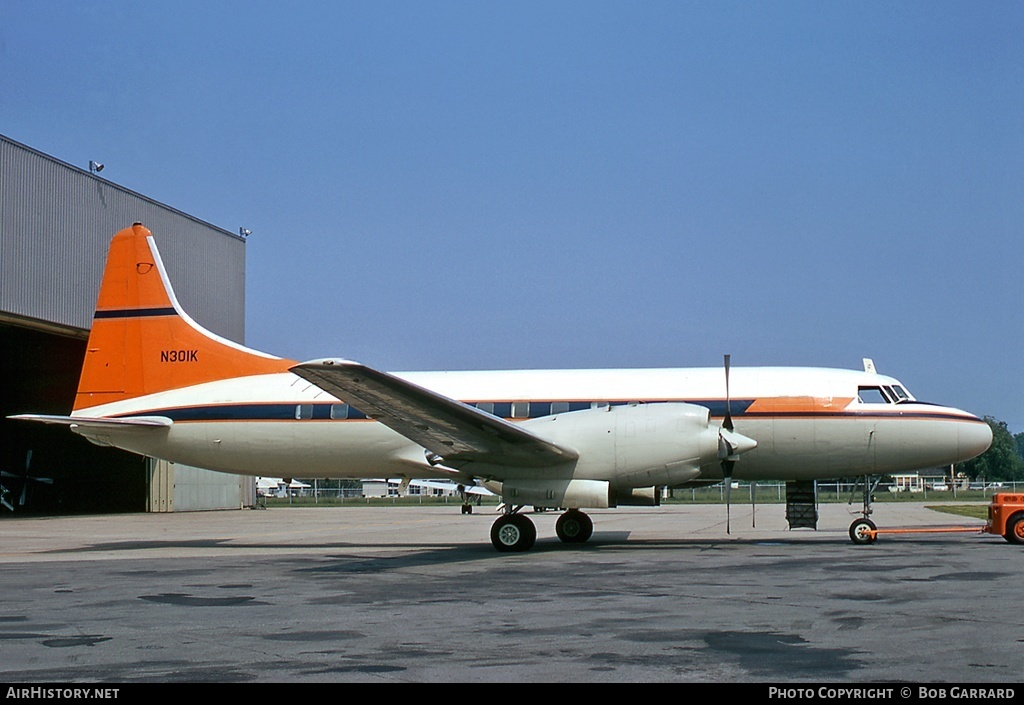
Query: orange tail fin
142, 342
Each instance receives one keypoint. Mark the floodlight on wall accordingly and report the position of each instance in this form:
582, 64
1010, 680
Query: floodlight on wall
244, 232
95, 167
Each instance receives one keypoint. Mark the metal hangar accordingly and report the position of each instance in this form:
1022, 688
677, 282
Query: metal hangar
56, 222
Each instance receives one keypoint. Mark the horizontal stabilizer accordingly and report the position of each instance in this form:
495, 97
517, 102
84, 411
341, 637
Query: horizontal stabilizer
148, 422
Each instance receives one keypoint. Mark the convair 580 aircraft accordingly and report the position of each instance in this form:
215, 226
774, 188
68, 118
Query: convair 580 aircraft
156, 383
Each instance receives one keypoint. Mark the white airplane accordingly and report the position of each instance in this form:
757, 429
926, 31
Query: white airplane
154, 382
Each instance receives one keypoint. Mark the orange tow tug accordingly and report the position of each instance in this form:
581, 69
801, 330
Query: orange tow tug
1005, 518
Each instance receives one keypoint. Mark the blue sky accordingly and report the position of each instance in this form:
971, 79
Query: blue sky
473, 185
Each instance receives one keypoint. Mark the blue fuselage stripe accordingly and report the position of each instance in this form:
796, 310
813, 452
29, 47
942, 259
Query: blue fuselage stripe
323, 411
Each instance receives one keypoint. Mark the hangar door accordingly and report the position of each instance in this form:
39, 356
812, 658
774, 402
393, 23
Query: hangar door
48, 469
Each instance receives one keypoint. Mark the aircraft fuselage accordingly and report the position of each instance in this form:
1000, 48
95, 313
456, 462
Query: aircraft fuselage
808, 422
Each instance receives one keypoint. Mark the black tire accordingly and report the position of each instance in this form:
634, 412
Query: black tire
862, 532
513, 533
1015, 529
574, 527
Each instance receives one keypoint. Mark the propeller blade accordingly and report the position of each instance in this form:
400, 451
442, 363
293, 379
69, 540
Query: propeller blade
727, 479
753, 505
727, 421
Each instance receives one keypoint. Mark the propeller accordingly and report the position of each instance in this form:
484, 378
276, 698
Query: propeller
25, 478
730, 445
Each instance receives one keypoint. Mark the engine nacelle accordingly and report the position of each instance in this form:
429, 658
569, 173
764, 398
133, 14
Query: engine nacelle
626, 453
635, 445
638, 497
565, 494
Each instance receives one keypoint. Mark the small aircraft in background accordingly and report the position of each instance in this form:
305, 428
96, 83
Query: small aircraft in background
155, 382
279, 487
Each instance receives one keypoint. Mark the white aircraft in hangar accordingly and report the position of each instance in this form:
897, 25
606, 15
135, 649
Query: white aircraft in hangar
154, 382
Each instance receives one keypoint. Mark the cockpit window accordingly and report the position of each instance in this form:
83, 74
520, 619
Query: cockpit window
872, 395
898, 393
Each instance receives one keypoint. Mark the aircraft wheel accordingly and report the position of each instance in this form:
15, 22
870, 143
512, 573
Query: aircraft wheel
513, 532
574, 526
1015, 529
861, 532
467, 508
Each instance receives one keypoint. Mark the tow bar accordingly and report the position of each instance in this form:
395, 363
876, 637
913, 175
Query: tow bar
1005, 518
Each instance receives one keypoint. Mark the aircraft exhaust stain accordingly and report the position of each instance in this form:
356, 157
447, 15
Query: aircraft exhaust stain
84, 640
182, 600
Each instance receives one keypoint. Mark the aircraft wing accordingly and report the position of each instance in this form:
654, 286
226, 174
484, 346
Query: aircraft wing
456, 432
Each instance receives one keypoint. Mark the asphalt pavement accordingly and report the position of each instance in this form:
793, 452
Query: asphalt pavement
418, 595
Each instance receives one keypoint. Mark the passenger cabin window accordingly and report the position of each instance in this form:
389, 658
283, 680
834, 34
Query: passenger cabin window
539, 408
303, 411
559, 407
485, 406
520, 409
339, 411
871, 395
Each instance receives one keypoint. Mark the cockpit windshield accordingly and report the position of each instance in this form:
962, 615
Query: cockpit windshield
885, 394
899, 393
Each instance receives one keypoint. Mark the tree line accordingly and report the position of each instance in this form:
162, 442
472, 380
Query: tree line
1004, 460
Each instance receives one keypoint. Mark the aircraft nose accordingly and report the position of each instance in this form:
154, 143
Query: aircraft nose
973, 439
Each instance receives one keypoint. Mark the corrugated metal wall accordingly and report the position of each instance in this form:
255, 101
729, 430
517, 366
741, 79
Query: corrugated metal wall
56, 221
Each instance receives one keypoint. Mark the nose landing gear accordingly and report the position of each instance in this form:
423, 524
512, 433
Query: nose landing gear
863, 530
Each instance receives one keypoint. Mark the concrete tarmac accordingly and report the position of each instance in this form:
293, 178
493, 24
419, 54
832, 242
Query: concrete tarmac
417, 594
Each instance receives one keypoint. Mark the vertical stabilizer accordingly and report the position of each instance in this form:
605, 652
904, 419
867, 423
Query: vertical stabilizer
142, 342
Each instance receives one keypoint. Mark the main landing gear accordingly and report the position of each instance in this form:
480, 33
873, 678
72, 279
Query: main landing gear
574, 526
514, 532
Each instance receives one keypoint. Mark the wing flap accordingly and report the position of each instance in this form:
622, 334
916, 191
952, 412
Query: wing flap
456, 432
